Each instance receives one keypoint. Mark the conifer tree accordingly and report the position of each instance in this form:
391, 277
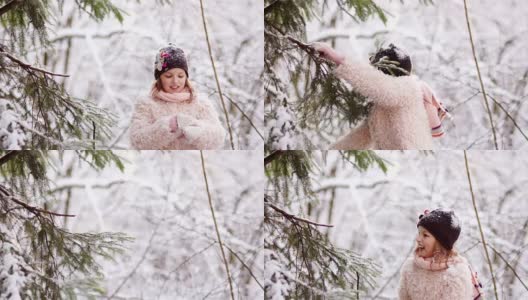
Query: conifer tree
35, 109
301, 262
39, 258
295, 74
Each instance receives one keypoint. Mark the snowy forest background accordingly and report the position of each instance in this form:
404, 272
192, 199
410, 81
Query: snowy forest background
374, 214
110, 63
435, 35
160, 202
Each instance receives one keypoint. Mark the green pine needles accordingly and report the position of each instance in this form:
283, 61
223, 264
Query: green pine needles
317, 269
301, 262
51, 258
42, 259
47, 117
320, 100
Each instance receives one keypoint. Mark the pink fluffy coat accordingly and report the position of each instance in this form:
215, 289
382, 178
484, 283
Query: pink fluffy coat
197, 119
453, 283
397, 120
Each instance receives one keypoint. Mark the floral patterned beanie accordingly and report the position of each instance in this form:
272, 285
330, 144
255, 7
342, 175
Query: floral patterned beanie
168, 58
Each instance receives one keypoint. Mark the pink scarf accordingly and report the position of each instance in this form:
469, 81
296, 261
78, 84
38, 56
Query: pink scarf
171, 97
436, 112
429, 264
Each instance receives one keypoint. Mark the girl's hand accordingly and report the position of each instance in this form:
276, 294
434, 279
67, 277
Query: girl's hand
325, 51
173, 124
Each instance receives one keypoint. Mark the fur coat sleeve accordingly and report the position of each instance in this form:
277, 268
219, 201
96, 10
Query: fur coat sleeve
380, 88
457, 284
148, 132
205, 132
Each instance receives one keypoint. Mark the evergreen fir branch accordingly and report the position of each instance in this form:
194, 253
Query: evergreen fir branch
291, 169
100, 159
274, 155
292, 216
27, 66
364, 159
51, 116
326, 98
315, 260
33, 209
25, 171
55, 255
51, 111
362, 9
10, 5
99, 9
7, 157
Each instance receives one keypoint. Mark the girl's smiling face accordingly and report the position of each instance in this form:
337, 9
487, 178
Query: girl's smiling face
173, 80
426, 244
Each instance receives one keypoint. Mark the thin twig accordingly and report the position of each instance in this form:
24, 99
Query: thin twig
216, 76
245, 116
480, 76
480, 226
216, 225
245, 266
141, 260
510, 117
509, 266
182, 264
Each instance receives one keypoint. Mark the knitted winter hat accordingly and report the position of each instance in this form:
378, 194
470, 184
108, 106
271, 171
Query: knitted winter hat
443, 225
168, 58
386, 56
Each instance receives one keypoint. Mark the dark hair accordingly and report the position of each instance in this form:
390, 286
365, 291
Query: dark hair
392, 53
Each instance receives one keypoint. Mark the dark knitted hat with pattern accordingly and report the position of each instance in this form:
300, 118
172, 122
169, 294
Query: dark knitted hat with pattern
168, 58
443, 225
393, 54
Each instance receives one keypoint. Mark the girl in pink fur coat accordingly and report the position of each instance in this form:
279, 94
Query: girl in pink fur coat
173, 116
436, 271
405, 114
